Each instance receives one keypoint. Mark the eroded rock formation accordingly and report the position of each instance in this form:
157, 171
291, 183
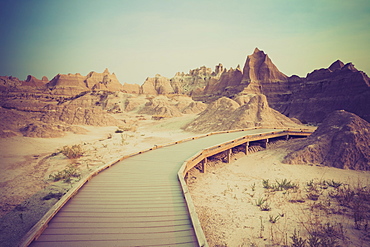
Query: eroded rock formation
339, 87
69, 98
73, 84
172, 106
245, 111
157, 85
342, 141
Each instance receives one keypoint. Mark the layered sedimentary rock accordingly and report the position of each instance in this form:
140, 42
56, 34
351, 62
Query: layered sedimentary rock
259, 68
173, 106
50, 130
131, 88
228, 83
70, 84
342, 141
73, 84
32, 81
157, 85
259, 75
13, 84
339, 87
310, 99
103, 81
161, 106
245, 111
76, 115
194, 82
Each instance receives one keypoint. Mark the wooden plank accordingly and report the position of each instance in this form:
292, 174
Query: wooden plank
143, 224
153, 167
138, 214
182, 235
121, 243
148, 210
137, 201
102, 230
120, 219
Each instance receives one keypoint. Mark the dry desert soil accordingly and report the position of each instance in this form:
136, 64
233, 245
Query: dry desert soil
226, 197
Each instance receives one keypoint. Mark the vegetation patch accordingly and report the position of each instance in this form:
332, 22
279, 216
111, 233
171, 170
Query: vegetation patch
281, 185
72, 152
71, 171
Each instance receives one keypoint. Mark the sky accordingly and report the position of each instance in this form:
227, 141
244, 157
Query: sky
142, 38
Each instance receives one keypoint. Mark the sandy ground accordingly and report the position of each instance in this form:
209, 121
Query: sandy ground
225, 196
26, 164
226, 199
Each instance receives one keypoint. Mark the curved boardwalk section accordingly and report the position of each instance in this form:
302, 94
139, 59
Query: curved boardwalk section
136, 202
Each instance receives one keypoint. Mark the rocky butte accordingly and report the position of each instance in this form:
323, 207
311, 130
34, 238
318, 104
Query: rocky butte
309, 99
338, 87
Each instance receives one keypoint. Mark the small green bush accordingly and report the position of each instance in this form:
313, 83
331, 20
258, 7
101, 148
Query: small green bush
273, 219
284, 184
260, 201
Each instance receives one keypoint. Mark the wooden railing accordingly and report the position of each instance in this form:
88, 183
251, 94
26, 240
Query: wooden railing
210, 151
42, 224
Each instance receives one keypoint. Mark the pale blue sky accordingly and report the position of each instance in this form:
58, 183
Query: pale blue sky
138, 39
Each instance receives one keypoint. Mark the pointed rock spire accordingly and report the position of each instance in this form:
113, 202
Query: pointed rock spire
106, 71
259, 67
336, 65
256, 50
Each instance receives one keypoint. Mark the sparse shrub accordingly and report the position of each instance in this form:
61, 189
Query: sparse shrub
253, 186
297, 240
265, 184
66, 174
265, 207
273, 219
313, 195
310, 183
262, 204
357, 200
313, 241
260, 201
332, 183
73, 152
284, 184
326, 235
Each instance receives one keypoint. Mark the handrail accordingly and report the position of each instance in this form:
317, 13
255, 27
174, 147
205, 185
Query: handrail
205, 153
42, 224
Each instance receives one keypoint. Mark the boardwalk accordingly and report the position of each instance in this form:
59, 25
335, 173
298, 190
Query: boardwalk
136, 202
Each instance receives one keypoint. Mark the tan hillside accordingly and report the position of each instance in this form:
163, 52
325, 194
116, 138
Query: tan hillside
244, 111
341, 141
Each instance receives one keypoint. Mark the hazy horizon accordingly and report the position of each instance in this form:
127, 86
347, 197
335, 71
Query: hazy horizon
138, 39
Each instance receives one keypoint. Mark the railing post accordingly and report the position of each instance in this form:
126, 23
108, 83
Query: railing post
229, 151
265, 143
204, 165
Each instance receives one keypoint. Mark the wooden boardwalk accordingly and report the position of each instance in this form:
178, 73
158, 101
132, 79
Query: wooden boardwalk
136, 202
